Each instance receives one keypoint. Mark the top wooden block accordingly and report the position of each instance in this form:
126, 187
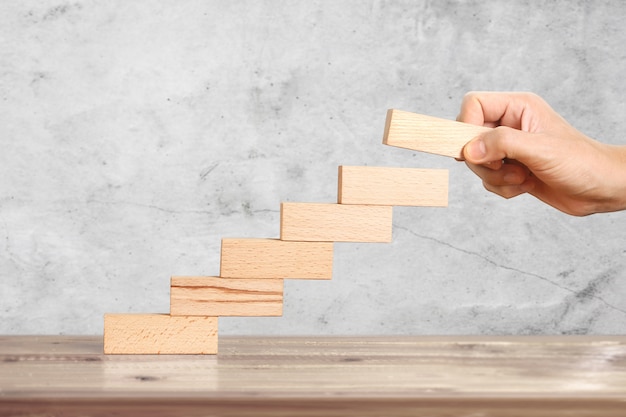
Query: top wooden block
429, 134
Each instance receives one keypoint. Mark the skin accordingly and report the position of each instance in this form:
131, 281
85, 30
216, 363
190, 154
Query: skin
534, 150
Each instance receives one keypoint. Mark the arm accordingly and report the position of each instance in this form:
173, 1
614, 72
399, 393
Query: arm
534, 150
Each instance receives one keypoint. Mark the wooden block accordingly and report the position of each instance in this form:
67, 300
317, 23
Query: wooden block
335, 222
153, 334
215, 296
429, 134
273, 258
393, 186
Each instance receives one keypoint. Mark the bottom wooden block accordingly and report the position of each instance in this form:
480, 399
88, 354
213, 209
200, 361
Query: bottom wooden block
154, 334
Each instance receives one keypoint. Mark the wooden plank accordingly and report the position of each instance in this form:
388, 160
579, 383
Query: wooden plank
168, 406
428, 134
504, 376
273, 258
393, 186
216, 296
335, 222
155, 334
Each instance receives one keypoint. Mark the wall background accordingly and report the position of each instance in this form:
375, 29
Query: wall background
135, 135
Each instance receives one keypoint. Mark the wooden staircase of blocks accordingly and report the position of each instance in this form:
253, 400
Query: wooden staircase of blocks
252, 271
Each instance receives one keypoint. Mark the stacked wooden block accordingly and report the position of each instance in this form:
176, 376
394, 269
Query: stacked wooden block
252, 271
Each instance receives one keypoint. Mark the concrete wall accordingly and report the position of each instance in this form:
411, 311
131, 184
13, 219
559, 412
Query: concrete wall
135, 135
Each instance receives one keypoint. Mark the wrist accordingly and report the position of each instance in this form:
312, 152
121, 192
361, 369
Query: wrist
620, 175
615, 180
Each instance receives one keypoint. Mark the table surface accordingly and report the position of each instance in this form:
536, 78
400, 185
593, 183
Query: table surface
300, 376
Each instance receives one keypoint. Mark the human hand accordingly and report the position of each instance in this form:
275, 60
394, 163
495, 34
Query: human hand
534, 150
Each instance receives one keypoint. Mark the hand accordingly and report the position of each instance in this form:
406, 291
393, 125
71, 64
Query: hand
534, 150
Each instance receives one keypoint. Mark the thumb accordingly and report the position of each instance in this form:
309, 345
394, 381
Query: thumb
499, 143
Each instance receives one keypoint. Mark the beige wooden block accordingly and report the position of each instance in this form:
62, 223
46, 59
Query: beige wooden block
273, 258
215, 296
429, 134
335, 222
154, 334
393, 186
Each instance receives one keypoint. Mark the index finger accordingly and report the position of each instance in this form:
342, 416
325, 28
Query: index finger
493, 109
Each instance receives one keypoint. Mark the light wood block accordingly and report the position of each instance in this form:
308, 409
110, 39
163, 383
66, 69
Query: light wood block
154, 334
273, 258
215, 296
429, 134
335, 222
393, 186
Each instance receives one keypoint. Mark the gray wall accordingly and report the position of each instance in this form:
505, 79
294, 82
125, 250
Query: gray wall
135, 135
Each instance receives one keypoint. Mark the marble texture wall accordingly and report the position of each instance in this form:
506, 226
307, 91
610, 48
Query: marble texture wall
135, 135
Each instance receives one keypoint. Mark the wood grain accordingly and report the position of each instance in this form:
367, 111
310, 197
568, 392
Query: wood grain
335, 222
428, 134
159, 334
274, 258
488, 376
393, 186
216, 296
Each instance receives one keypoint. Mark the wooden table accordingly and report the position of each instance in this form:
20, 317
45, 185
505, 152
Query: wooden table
330, 376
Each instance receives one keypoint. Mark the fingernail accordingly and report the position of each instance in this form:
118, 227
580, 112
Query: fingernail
477, 150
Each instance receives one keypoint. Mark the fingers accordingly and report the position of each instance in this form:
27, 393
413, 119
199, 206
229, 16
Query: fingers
472, 111
510, 191
486, 108
497, 157
503, 142
508, 180
516, 110
487, 148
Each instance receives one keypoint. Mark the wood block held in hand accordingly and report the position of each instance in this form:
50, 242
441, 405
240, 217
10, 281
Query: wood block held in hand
215, 296
335, 222
429, 134
393, 186
273, 258
153, 334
